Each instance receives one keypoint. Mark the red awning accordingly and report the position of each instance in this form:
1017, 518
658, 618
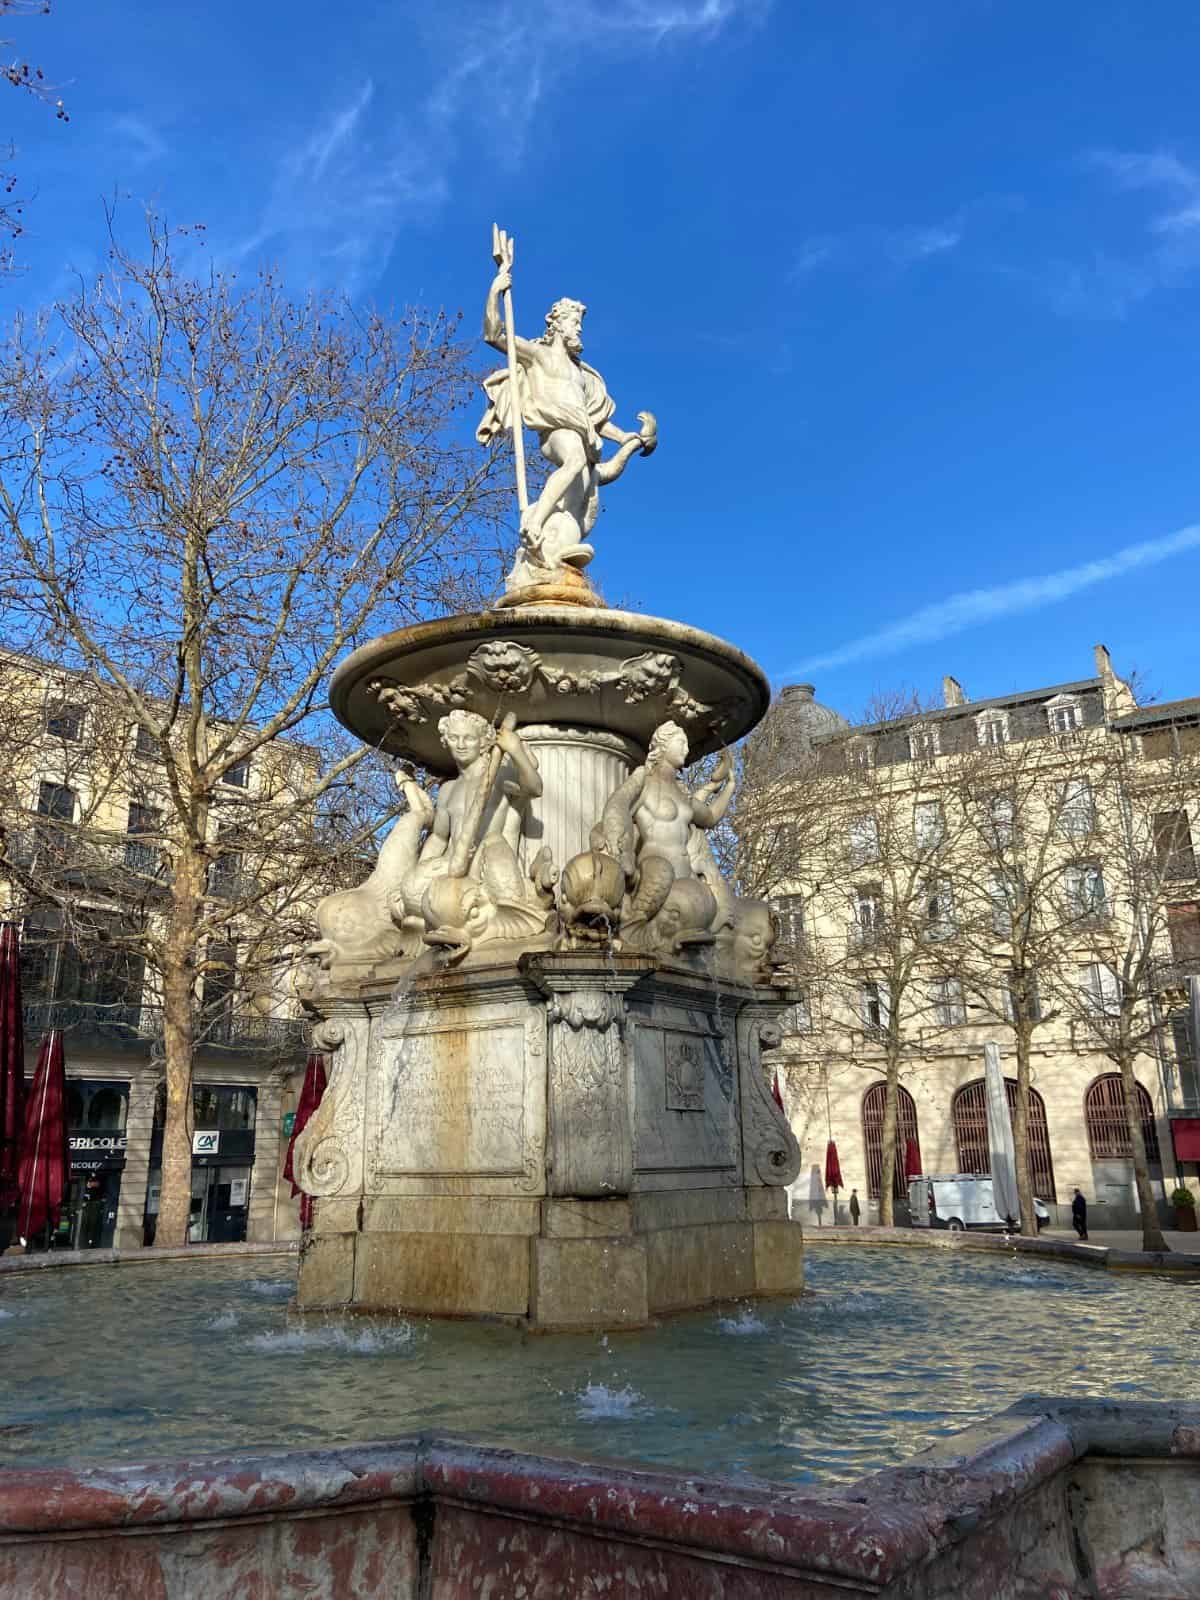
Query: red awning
1185, 1136
310, 1098
12, 1066
833, 1167
45, 1167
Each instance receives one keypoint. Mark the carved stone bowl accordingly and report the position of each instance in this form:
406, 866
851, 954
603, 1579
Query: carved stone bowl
611, 670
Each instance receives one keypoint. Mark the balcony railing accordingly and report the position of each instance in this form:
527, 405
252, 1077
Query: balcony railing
112, 863
139, 1026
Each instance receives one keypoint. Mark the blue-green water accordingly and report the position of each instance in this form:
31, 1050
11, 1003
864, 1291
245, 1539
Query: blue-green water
890, 1350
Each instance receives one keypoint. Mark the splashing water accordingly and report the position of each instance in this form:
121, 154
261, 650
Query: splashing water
744, 1323
356, 1340
224, 1319
272, 1288
597, 1401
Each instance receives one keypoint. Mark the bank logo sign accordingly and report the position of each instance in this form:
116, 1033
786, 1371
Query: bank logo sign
206, 1143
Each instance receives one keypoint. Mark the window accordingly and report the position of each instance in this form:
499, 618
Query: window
789, 910
1187, 1069
1000, 892
1173, 845
868, 914
873, 1108
939, 909
859, 754
139, 855
1064, 713
226, 873
863, 836
946, 1002
1075, 811
1101, 989
225, 1106
146, 745
90, 968
798, 1017
929, 824
64, 721
220, 984
991, 729
924, 741
1001, 820
968, 1112
1018, 988
1109, 1138
875, 1005
1183, 927
56, 803
1083, 890
238, 776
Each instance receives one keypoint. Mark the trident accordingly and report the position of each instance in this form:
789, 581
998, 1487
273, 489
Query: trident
502, 255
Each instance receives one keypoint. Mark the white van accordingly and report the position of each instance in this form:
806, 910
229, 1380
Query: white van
961, 1200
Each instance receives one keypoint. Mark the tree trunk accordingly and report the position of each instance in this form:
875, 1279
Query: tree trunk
887, 1176
178, 981
1152, 1234
1021, 1137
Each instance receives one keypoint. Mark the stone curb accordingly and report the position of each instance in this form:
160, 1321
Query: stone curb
1085, 1255
47, 1260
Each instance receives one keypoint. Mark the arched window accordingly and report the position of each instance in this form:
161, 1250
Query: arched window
873, 1105
1108, 1126
969, 1113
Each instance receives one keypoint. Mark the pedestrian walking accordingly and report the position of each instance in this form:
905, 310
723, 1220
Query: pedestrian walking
1079, 1214
855, 1208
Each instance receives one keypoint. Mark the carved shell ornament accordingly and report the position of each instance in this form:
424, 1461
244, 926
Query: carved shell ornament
509, 668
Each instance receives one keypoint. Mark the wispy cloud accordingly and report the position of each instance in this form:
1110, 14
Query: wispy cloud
975, 606
871, 246
1164, 253
137, 140
361, 173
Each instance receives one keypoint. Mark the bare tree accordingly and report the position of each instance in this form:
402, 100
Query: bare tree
209, 493
1122, 959
29, 79
1028, 887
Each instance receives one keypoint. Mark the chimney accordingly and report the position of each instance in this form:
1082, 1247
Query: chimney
952, 692
1104, 667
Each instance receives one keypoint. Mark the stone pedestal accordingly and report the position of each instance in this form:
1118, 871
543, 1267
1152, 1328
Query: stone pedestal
577, 1141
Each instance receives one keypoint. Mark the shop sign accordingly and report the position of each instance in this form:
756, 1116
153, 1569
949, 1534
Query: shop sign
206, 1142
89, 1150
289, 1122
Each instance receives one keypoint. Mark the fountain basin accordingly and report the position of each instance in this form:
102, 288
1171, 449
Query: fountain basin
1056, 1499
616, 672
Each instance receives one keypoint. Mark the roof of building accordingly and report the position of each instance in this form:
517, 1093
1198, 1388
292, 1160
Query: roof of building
784, 739
1156, 716
970, 708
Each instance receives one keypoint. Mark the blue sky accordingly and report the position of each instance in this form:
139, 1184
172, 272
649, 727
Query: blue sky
913, 288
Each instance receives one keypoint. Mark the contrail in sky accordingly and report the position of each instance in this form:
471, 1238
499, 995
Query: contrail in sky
962, 611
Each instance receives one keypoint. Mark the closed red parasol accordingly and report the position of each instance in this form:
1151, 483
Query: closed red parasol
45, 1165
12, 1066
310, 1098
912, 1159
833, 1167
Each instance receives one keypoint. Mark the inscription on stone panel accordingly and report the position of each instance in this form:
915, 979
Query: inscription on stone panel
453, 1102
684, 1074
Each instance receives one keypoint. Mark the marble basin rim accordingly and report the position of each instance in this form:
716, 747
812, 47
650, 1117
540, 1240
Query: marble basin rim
713, 690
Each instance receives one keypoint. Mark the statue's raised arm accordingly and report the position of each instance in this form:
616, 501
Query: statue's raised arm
565, 402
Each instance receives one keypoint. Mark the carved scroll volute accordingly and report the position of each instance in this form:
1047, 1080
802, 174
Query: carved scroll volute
591, 1137
329, 1153
769, 1148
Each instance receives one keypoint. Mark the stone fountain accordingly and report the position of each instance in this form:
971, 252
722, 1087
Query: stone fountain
546, 1009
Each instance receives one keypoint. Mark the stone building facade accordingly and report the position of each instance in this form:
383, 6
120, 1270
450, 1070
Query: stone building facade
839, 798
78, 818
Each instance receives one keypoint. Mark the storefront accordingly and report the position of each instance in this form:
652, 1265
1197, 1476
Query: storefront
96, 1115
223, 1127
